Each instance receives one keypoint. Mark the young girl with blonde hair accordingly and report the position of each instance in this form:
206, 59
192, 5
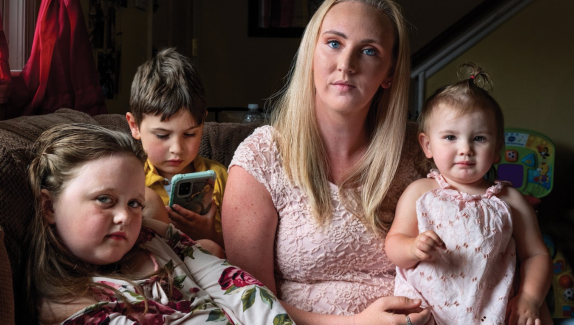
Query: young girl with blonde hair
456, 234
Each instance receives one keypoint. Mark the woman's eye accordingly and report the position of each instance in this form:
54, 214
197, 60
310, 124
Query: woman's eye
450, 137
189, 135
370, 52
334, 44
161, 136
104, 199
479, 138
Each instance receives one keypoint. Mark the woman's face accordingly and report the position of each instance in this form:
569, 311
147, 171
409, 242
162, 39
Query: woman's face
352, 58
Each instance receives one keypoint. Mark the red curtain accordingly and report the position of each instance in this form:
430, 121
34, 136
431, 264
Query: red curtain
5, 78
61, 71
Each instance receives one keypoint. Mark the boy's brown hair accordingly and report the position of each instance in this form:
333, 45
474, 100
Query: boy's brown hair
165, 84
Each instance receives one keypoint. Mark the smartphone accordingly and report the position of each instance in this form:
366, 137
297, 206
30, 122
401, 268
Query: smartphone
193, 191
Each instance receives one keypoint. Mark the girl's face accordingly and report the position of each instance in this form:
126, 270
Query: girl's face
98, 214
352, 58
462, 146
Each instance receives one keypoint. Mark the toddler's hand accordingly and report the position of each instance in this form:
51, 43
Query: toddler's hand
425, 243
194, 225
522, 310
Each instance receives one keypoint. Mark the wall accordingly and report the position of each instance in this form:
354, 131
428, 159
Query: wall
235, 68
530, 60
132, 26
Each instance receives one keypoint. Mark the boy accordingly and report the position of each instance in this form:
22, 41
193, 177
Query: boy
167, 104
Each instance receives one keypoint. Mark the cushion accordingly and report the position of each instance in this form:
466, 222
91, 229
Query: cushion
220, 140
6, 293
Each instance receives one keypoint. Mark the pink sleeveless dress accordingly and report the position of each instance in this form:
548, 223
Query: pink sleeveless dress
470, 282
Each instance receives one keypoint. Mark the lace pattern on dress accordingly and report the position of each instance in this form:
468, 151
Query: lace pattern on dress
338, 268
470, 281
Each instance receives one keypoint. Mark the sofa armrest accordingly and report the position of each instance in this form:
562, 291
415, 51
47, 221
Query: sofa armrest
6, 292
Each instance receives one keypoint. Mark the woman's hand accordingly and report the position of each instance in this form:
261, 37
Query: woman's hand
394, 310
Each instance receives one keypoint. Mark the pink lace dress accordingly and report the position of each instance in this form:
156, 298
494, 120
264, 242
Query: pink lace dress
471, 281
340, 268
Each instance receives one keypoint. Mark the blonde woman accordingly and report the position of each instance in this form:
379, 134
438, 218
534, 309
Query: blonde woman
309, 200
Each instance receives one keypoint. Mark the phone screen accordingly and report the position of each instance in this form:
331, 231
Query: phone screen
194, 194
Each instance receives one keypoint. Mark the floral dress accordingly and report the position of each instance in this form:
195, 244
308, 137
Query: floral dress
206, 290
469, 282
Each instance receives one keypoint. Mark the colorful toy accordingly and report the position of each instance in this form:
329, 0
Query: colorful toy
561, 296
528, 163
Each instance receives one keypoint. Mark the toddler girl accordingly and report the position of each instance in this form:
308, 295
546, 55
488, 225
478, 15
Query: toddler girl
456, 233
92, 261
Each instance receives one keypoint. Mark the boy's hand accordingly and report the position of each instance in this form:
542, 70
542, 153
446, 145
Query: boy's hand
523, 310
425, 243
194, 225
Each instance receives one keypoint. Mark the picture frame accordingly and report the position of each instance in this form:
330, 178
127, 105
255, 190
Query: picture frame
279, 18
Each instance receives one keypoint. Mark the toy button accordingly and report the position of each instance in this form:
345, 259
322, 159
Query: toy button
529, 160
511, 155
565, 281
566, 311
559, 266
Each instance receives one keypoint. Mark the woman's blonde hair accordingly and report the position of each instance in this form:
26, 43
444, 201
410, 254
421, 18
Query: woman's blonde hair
52, 271
304, 157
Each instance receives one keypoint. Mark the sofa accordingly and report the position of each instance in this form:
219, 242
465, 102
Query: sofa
219, 142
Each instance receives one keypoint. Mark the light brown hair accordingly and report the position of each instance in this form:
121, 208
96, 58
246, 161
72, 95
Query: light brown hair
52, 271
467, 95
470, 94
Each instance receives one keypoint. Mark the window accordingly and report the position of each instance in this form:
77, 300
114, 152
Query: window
19, 17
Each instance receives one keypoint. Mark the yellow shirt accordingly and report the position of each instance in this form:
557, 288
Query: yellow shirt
155, 181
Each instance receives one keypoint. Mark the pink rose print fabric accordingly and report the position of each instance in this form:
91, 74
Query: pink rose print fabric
470, 282
236, 277
205, 290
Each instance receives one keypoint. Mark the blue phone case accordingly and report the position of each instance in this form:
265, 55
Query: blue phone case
193, 191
